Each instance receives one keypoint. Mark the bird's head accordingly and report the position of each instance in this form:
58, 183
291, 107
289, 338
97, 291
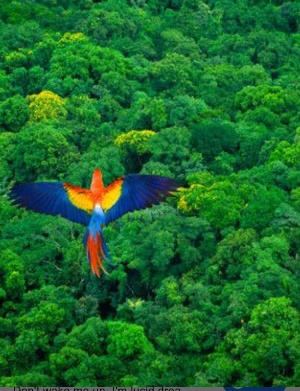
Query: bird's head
97, 182
97, 174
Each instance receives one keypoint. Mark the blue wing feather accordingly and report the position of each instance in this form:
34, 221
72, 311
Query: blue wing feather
49, 198
140, 192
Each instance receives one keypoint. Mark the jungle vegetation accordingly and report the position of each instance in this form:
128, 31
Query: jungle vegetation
205, 288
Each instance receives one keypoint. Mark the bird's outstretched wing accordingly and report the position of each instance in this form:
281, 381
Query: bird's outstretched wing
134, 192
55, 198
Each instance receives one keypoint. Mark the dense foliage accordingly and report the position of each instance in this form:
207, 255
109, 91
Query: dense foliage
205, 291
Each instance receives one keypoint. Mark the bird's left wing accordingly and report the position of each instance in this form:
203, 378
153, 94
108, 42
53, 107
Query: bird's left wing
134, 192
55, 198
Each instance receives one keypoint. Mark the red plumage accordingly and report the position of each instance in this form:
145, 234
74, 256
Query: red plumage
94, 207
95, 253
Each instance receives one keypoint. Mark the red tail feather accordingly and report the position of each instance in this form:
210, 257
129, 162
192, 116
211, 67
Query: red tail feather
95, 253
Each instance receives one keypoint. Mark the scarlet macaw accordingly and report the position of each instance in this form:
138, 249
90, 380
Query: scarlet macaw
95, 207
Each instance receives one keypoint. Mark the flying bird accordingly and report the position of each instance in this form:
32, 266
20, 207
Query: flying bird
94, 207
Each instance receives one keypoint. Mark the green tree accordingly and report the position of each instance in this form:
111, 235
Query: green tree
46, 106
211, 137
7, 147
174, 72
42, 151
271, 331
260, 209
171, 147
217, 201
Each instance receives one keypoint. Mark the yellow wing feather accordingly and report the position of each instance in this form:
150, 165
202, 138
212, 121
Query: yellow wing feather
112, 194
81, 198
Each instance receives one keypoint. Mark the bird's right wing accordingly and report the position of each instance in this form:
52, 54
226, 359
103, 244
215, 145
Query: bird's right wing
135, 192
55, 198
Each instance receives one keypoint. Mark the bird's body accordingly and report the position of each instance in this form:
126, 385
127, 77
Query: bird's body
94, 207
